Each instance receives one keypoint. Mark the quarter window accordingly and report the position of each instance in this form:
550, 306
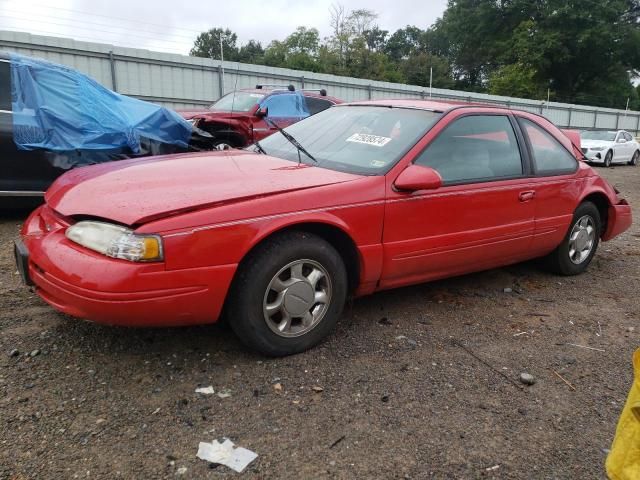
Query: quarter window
549, 154
477, 147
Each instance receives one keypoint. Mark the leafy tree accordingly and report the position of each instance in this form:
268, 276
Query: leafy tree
515, 80
251, 52
298, 51
417, 70
405, 42
583, 51
207, 44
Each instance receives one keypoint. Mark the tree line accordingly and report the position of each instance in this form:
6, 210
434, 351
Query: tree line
575, 51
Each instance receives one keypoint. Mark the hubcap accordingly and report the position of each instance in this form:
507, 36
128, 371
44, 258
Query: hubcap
222, 146
582, 239
297, 298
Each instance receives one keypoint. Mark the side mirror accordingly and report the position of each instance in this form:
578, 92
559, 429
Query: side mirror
415, 177
622, 140
262, 112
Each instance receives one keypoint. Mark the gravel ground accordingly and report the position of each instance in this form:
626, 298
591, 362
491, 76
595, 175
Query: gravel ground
420, 382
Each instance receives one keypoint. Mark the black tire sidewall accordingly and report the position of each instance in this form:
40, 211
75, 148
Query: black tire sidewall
634, 158
245, 314
608, 159
561, 262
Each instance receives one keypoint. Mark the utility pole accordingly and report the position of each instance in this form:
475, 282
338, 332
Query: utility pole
430, 80
548, 97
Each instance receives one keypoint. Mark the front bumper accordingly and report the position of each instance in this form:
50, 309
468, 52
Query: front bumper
594, 156
619, 220
85, 284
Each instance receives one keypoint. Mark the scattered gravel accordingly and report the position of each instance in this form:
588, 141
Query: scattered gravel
527, 378
387, 410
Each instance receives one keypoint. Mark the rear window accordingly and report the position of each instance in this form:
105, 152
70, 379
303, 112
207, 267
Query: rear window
316, 105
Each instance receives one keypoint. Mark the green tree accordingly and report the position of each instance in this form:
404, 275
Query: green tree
251, 52
298, 51
207, 44
417, 70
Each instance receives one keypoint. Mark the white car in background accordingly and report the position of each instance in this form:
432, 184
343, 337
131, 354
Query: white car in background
609, 147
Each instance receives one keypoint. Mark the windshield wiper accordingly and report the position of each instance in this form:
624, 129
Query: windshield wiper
259, 148
291, 140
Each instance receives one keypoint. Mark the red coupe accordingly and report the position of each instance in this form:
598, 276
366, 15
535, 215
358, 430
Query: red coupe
358, 198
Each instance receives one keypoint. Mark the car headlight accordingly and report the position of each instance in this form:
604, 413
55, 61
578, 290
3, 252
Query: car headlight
596, 149
116, 241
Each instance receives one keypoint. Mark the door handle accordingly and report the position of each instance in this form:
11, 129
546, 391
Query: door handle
526, 196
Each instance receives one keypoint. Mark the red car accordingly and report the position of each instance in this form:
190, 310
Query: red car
240, 118
359, 198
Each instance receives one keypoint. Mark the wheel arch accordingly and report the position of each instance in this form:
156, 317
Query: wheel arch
221, 131
602, 203
335, 235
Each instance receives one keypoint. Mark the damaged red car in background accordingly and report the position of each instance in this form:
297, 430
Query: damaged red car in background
240, 118
359, 198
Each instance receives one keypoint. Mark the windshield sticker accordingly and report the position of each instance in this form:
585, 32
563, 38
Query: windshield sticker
367, 139
377, 163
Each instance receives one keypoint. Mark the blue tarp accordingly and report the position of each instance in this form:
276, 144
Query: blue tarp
286, 105
59, 109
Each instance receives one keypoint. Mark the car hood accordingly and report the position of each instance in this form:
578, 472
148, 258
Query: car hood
133, 192
211, 114
595, 143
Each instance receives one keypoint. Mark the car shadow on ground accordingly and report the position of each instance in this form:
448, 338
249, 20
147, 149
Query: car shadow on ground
418, 301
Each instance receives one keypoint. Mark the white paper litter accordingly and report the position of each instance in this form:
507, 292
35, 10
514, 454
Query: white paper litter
205, 390
226, 453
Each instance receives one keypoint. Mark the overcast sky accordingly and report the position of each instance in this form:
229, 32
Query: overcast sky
171, 26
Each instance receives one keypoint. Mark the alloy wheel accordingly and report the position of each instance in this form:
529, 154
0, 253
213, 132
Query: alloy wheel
582, 239
297, 298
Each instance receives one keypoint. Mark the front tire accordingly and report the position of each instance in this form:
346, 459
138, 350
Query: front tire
634, 159
608, 158
579, 245
288, 294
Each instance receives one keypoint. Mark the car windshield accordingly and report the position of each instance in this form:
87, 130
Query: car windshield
365, 140
598, 135
237, 102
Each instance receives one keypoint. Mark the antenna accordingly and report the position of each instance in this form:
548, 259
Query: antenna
235, 87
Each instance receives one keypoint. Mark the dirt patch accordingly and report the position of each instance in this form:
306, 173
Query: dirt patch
420, 382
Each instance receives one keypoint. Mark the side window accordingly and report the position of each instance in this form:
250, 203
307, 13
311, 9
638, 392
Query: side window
477, 147
627, 136
316, 105
5, 86
549, 155
286, 105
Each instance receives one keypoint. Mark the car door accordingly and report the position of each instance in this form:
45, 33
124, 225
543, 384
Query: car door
620, 148
482, 216
630, 148
557, 188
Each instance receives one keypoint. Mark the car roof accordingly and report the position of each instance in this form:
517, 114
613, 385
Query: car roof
307, 93
432, 105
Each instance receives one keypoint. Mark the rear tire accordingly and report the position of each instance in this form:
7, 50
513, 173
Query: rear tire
608, 158
579, 245
634, 159
288, 294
